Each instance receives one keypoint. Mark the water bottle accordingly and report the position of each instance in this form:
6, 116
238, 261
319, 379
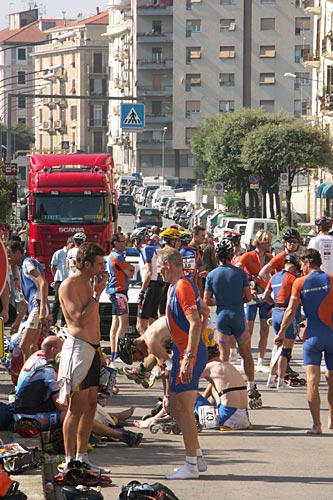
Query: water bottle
18, 296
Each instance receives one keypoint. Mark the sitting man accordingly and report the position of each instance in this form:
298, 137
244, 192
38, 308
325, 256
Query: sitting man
37, 393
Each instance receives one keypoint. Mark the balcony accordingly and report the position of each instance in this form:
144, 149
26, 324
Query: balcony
97, 70
147, 91
100, 122
51, 104
153, 37
164, 8
327, 46
157, 63
60, 126
158, 118
154, 144
49, 127
311, 61
316, 11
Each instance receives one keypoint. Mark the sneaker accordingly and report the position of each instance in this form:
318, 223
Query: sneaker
202, 466
186, 471
285, 387
262, 369
271, 382
132, 439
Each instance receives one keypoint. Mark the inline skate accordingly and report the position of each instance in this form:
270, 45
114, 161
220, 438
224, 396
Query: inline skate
255, 401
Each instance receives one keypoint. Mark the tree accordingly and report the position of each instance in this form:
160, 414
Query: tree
286, 147
22, 137
5, 204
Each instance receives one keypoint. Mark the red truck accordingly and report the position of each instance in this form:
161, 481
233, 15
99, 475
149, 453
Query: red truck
68, 193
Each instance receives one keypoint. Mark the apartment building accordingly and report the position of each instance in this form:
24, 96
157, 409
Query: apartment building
196, 58
72, 105
17, 72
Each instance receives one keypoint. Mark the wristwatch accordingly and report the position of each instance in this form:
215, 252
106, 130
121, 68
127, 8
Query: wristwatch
189, 355
95, 297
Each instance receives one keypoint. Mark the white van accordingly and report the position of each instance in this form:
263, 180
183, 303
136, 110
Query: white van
226, 224
254, 225
159, 193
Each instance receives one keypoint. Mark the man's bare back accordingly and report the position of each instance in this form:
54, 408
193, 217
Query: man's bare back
223, 376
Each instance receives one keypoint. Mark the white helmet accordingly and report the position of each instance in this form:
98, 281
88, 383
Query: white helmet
79, 238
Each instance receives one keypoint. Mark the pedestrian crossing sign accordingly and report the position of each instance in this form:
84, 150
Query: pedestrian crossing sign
132, 116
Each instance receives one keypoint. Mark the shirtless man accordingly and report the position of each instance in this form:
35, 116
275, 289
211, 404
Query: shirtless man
81, 357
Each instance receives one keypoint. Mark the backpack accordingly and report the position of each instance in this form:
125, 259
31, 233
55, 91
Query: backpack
138, 491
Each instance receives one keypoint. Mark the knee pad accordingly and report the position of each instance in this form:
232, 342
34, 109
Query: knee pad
286, 352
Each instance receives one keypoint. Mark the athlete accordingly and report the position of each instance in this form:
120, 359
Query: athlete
192, 259
278, 292
227, 288
323, 242
117, 287
252, 262
291, 240
78, 238
189, 358
315, 292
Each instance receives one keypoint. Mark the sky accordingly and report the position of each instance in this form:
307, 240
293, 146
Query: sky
52, 8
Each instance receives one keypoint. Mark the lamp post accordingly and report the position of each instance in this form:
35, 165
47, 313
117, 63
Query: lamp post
163, 152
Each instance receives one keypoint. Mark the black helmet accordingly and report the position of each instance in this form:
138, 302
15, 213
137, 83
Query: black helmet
233, 236
224, 249
323, 221
291, 234
81, 493
292, 259
141, 233
79, 238
125, 345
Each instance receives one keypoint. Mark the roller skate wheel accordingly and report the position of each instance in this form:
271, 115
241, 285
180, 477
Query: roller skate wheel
302, 381
176, 430
251, 405
115, 391
166, 428
154, 428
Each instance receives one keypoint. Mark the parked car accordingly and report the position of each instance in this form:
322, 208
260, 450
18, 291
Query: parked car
226, 224
169, 204
148, 217
126, 204
105, 307
160, 193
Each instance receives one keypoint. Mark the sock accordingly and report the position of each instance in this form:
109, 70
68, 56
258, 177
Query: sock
191, 461
233, 352
113, 356
250, 385
260, 361
81, 457
280, 381
69, 459
199, 452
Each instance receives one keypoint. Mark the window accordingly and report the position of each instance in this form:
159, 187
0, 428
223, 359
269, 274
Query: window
98, 142
156, 108
268, 106
193, 26
22, 121
192, 53
267, 24
301, 52
267, 1
226, 106
21, 77
267, 51
191, 107
192, 80
227, 79
300, 107
189, 133
302, 79
98, 62
156, 27
301, 24
190, 2
97, 86
227, 52
227, 2
22, 173
73, 111
156, 53
21, 54
267, 79
21, 102
227, 25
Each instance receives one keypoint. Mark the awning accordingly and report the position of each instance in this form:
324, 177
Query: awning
325, 190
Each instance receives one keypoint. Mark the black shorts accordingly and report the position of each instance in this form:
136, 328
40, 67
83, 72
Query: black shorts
164, 298
92, 377
152, 300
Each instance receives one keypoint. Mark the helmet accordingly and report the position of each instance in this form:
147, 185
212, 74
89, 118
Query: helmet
224, 249
141, 233
170, 234
79, 238
233, 237
125, 345
81, 493
323, 221
185, 236
291, 234
292, 259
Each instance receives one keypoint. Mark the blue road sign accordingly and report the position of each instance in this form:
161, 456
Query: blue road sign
132, 116
64, 144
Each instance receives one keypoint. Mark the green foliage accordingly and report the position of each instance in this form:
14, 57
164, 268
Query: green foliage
5, 205
232, 201
22, 137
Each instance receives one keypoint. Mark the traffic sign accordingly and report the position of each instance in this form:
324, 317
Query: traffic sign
218, 188
64, 144
200, 182
132, 116
254, 178
3, 267
9, 168
283, 179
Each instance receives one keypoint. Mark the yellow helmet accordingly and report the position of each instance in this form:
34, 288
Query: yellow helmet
170, 234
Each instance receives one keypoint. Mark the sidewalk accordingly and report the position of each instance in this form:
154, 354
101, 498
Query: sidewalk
276, 460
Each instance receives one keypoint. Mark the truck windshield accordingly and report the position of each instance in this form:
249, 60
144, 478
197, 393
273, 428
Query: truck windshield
65, 209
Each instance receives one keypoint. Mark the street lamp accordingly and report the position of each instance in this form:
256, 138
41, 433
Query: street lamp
163, 151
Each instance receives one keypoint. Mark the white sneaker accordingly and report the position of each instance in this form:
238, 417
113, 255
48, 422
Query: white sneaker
202, 466
285, 387
186, 471
271, 382
262, 369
